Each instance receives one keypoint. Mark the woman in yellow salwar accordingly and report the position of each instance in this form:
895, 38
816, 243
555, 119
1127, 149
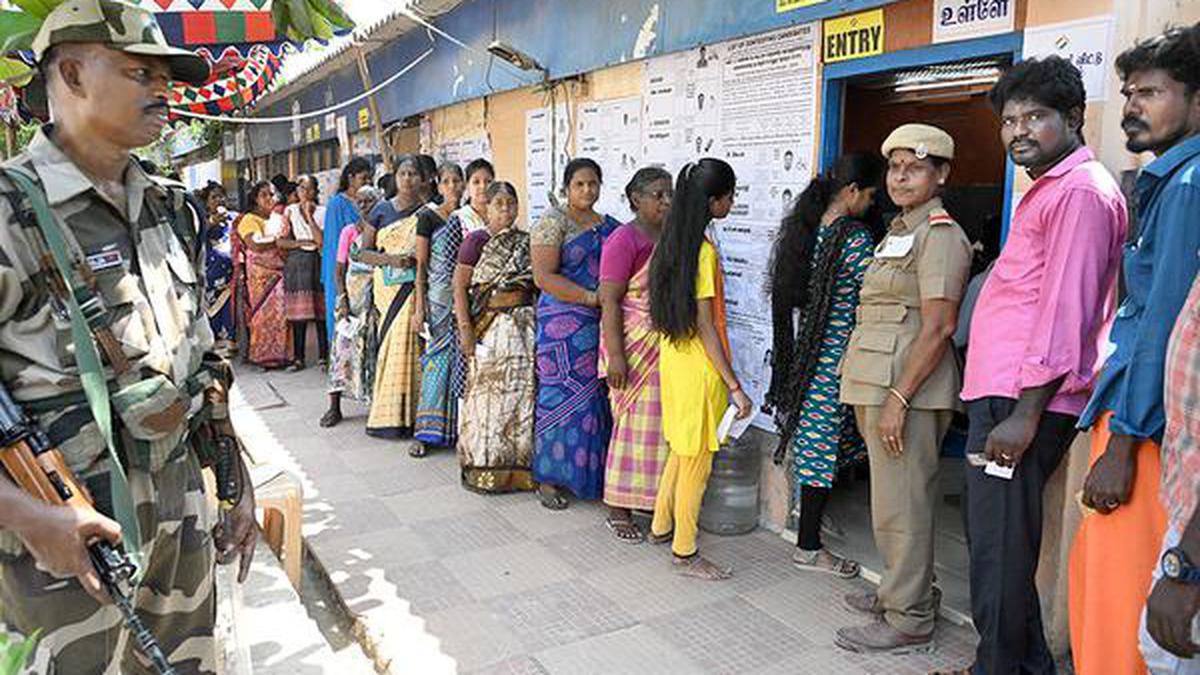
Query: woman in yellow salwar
687, 305
389, 245
493, 306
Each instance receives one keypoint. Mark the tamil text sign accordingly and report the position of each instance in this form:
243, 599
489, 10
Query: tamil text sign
963, 19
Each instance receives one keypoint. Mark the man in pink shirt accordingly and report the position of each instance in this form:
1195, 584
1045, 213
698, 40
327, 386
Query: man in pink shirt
1033, 351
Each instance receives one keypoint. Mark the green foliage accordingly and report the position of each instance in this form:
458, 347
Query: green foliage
13, 655
17, 30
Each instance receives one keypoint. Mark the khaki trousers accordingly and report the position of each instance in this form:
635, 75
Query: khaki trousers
680, 492
904, 492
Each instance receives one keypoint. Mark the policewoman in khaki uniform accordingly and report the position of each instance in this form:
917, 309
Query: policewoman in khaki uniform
901, 375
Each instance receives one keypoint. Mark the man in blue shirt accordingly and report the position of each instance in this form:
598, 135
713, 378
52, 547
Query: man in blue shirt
1116, 551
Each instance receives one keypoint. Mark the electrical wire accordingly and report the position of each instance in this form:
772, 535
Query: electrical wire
316, 113
522, 74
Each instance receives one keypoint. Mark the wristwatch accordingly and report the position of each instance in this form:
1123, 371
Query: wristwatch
1177, 566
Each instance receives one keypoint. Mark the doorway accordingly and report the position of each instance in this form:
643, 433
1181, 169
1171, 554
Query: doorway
869, 103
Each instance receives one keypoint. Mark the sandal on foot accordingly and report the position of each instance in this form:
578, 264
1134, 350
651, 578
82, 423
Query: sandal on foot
554, 501
658, 539
699, 567
417, 450
624, 530
826, 562
331, 418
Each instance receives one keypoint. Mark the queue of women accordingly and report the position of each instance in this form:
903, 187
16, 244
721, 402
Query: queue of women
588, 359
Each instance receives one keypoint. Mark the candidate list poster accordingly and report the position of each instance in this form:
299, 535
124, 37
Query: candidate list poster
546, 152
610, 132
767, 121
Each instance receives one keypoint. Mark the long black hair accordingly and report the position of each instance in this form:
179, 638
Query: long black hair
803, 275
677, 256
355, 166
791, 261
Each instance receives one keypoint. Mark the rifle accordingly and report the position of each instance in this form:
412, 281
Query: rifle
37, 467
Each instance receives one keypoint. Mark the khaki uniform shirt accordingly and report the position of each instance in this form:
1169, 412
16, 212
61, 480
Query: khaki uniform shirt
153, 290
925, 256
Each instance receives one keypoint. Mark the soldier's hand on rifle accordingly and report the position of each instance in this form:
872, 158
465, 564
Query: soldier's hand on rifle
242, 532
57, 537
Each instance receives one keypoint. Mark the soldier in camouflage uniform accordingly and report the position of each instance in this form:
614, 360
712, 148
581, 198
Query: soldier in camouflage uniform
106, 69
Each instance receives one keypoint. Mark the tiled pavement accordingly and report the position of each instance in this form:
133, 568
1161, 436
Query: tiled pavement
446, 581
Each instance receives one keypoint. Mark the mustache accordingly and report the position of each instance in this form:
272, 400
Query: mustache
1131, 123
1024, 142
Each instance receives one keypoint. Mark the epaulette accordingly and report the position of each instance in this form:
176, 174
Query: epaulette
941, 217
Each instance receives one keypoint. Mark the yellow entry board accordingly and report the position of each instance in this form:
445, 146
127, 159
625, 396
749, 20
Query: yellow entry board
854, 36
782, 6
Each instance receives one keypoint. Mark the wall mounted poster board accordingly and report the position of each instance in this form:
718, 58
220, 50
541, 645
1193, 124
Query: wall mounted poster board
751, 102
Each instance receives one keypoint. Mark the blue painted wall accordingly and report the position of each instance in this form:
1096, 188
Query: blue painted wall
568, 37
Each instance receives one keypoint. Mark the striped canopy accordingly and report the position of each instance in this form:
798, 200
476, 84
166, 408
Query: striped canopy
243, 41
239, 40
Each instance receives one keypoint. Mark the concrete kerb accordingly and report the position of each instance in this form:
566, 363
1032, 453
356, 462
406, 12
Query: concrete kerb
358, 627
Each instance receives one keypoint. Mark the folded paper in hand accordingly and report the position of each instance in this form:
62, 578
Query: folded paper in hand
731, 427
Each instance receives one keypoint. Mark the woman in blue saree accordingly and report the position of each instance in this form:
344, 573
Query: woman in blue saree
440, 232
219, 265
573, 420
339, 213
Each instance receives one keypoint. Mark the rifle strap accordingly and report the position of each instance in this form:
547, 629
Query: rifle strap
87, 358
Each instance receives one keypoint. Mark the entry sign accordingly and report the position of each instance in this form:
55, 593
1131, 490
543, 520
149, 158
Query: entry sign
964, 19
854, 36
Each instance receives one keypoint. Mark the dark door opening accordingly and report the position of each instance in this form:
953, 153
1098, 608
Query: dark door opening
952, 96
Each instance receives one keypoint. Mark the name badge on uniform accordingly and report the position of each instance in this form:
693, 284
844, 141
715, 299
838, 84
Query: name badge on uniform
895, 246
106, 258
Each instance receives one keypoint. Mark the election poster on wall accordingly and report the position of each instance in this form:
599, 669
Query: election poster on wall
751, 102
1087, 43
610, 132
463, 151
546, 154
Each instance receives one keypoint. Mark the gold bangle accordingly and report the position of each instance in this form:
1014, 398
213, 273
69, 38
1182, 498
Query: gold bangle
899, 397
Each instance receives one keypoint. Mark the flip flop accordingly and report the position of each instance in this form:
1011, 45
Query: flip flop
658, 539
553, 501
624, 530
698, 567
417, 450
831, 563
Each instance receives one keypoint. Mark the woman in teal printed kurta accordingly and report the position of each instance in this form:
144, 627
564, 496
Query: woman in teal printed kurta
816, 273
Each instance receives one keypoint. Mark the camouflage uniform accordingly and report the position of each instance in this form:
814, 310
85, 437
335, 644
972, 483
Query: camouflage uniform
149, 273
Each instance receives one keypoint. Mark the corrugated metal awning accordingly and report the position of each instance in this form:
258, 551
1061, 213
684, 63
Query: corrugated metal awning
304, 68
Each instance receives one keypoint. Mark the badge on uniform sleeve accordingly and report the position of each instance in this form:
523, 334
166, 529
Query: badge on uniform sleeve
106, 258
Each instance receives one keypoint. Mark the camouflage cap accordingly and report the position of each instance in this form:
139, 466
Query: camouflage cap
122, 26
